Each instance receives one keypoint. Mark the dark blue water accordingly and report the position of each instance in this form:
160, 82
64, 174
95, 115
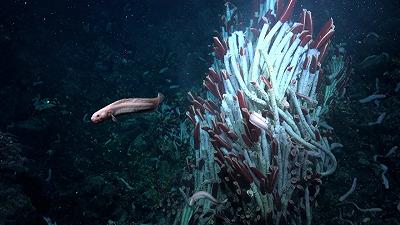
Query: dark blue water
62, 60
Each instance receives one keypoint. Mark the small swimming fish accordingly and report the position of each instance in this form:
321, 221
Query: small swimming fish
126, 105
203, 195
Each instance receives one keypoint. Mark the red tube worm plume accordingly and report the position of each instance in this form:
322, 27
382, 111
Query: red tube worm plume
247, 140
210, 131
257, 173
213, 106
302, 18
243, 171
288, 12
325, 39
274, 148
324, 35
261, 179
308, 25
223, 127
279, 8
297, 28
266, 82
199, 113
215, 127
272, 177
306, 39
227, 131
191, 117
268, 18
197, 105
213, 75
304, 33
323, 53
221, 142
212, 87
219, 48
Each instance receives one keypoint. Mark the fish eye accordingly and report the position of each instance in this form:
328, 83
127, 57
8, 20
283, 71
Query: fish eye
97, 115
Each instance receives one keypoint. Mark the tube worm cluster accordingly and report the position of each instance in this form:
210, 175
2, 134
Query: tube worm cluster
256, 135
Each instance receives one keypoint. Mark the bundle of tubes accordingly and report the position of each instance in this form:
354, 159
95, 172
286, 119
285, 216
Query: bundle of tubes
260, 153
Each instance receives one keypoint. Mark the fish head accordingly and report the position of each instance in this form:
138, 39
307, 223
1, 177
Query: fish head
100, 116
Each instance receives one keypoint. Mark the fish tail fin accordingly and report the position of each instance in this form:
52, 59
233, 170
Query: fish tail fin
160, 97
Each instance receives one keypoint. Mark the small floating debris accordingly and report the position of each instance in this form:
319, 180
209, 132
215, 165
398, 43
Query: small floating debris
41, 104
163, 70
372, 34
36, 83
202, 59
397, 89
372, 98
349, 192
379, 120
385, 180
